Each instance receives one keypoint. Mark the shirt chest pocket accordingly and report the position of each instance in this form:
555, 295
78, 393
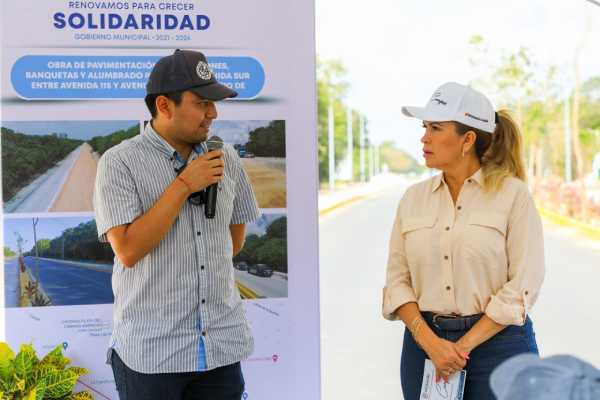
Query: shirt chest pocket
419, 239
485, 238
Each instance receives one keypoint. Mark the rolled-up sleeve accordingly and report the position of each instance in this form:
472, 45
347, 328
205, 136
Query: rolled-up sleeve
116, 200
525, 254
398, 290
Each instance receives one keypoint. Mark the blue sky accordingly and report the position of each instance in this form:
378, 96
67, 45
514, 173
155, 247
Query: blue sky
260, 227
235, 132
83, 130
47, 228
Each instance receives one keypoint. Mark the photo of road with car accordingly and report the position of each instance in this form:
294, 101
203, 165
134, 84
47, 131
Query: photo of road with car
261, 268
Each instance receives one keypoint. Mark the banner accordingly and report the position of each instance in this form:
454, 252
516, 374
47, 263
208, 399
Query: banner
73, 83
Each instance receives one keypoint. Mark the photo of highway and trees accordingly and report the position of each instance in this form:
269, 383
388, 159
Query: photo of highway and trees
59, 261
261, 268
55, 262
50, 166
261, 146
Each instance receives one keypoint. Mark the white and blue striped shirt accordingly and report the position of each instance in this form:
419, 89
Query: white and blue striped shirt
178, 309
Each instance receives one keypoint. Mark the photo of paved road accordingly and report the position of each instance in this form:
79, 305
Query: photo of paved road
71, 283
39, 195
267, 175
51, 166
261, 147
358, 345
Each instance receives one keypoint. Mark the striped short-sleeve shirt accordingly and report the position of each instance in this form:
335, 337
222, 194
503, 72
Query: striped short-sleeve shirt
178, 309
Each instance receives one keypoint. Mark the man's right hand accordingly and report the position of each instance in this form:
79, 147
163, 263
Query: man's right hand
204, 171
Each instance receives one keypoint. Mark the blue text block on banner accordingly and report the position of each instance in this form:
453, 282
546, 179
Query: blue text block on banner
117, 77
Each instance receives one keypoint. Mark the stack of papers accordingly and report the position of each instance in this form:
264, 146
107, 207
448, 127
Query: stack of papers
432, 390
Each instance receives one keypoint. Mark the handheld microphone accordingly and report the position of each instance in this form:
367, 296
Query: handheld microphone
210, 207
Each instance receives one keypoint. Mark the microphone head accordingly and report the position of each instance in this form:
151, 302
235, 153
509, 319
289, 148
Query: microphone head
214, 143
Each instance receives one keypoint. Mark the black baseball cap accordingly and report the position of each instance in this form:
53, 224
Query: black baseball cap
186, 70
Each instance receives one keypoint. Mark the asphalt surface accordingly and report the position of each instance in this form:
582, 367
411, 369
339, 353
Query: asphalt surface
361, 350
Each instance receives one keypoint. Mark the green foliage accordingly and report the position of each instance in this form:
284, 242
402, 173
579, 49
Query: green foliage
268, 141
332, 88
534, 94
25, 157
25, 377
77, 243
8, 253
277, 229
397, 160
102, 143
270, 249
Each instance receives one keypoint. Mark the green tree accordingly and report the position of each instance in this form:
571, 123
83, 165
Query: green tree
332, 89
273, 252
277, 229
248, 253
8, 252
268, 141
25, 157
398, 161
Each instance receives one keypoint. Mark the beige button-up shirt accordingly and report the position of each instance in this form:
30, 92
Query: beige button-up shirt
484, 254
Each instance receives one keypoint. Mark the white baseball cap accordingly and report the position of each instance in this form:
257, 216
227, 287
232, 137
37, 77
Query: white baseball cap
455, 102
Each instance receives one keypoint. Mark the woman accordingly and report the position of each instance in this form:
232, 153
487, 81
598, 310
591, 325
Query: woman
466, 255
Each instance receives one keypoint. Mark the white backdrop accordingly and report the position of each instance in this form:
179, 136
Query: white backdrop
78, 62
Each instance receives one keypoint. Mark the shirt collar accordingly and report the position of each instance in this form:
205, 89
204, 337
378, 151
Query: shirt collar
439, 179
164, 147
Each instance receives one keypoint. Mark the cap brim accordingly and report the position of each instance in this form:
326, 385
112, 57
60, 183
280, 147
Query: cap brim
414, 112
424, 114
214, 92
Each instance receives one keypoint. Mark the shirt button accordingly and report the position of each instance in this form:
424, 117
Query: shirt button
526, 292
459, 207
469, 180
448, 288
445, 257
447, 228
203, 333
203, 301
198, 233
202, 267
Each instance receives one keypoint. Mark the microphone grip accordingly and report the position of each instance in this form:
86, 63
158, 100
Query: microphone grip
211, 201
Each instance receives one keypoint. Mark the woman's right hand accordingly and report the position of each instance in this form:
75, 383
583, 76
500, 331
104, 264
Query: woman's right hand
446, 357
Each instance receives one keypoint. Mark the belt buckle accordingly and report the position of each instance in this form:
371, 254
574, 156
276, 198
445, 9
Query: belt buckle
446, 316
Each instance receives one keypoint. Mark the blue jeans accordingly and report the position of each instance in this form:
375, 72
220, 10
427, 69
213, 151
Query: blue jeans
224, 383
483, 359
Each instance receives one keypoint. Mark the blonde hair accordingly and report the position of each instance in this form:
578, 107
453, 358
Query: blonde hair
500, 153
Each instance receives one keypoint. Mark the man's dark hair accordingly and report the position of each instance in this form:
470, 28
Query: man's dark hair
150, 100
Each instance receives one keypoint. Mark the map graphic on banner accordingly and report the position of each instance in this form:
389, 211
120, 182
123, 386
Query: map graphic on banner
73, 82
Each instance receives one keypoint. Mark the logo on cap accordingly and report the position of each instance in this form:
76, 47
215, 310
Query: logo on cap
203, 71
474, 117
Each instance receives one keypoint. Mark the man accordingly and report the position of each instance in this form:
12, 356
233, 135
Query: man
180, 330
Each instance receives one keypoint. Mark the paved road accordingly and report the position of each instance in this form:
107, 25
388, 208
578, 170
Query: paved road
274, 286
39, 195
267, 175
68, 284
361, 351
76, 193
11, 282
